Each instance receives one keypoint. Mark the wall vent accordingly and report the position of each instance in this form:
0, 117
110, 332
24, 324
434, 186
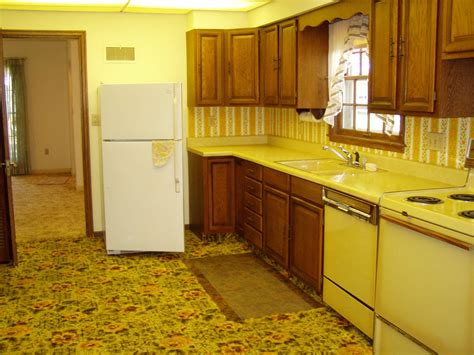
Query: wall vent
120, 54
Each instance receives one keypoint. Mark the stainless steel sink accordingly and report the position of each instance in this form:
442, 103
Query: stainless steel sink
322, 166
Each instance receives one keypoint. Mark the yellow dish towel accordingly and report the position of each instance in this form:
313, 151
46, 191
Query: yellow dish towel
162, 151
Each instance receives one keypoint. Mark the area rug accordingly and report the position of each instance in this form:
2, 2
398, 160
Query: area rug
244, 287
50, 179
67, 296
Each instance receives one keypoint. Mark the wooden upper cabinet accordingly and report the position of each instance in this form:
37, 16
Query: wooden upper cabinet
383, 55
312, 67
417, 55
458, 29
278, 63
403, 37
205, 53
242, 66
269, 65
287, 67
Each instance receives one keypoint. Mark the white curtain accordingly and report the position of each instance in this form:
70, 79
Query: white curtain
342, 36
341, 43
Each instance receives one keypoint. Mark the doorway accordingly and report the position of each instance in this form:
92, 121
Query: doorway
60, 165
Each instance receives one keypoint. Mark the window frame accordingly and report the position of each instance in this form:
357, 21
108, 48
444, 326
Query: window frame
382, 141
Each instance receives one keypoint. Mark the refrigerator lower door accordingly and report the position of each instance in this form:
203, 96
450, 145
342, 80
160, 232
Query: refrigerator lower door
143, 203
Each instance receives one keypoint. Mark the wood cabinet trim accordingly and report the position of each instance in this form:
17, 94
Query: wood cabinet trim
429, 233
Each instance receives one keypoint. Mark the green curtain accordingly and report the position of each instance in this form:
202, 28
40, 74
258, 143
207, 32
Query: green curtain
15, 91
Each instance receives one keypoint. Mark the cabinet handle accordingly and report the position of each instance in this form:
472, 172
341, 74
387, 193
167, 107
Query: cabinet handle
401, 49
228, 68
275, 64
391, 55
251, 171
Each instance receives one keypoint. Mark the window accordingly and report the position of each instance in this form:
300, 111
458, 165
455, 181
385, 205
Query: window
354, 125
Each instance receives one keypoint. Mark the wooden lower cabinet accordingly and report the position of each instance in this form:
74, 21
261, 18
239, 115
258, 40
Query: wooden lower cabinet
211, 195
276, 212
276, 224
306, 242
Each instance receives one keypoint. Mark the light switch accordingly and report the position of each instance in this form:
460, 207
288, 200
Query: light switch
95, 120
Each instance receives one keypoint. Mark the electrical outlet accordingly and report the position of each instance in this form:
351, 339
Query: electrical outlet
95, 120
436, 141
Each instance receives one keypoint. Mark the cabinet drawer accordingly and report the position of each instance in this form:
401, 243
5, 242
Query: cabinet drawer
253, 236
253, 219
253, 187
252, 170
307, 190
253, 203
276, 179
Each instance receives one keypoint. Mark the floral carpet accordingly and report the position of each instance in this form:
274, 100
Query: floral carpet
67, 296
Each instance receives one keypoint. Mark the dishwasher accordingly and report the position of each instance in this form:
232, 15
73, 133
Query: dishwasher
350, 253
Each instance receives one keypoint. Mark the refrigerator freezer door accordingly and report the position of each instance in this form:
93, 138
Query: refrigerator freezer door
143, 207
141, 111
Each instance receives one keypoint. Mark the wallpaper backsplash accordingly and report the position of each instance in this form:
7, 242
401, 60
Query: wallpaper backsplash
250, 121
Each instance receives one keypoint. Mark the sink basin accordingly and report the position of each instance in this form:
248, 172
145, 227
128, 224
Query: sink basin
322, 166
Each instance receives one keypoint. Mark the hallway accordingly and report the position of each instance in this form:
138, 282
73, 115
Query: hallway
47, 206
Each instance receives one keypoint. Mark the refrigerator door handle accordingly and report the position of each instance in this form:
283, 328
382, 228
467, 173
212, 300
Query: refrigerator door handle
178, 169
177, 111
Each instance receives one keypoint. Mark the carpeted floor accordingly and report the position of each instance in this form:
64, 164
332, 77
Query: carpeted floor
67, 296
46, 206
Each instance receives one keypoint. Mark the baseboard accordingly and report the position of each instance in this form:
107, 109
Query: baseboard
50, 171
99, 234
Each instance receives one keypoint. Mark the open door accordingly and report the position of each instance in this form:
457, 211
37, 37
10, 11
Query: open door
7, 226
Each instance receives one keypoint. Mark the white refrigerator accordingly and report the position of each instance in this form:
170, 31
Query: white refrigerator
143, 203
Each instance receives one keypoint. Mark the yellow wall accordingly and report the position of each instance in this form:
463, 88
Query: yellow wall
160, 43
285, 123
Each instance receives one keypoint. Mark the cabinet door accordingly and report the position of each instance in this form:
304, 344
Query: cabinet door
417, 55
287, 56
205, 51
219, 213
242, 66
275, 224
306, 242
383, 55
458, 29
313, 67
269, 65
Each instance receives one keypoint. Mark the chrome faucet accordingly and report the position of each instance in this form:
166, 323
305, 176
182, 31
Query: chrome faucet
345, 155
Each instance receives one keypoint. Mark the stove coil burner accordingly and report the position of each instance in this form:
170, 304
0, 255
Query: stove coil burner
424, 199
462, 197
467, 214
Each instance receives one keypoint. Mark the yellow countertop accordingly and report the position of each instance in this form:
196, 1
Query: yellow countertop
366, 185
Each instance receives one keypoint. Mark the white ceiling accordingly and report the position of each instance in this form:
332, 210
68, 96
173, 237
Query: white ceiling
146, 6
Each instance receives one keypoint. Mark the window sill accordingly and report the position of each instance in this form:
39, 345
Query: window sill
390, 143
